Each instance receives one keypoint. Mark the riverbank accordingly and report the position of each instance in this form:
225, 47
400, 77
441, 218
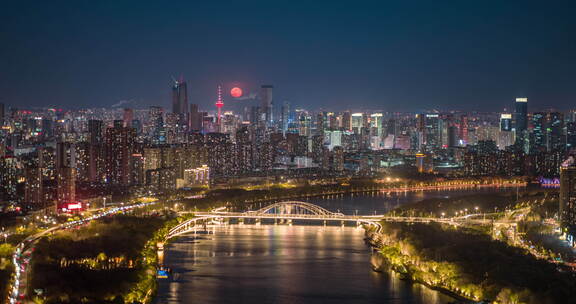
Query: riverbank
469, 264
240, 198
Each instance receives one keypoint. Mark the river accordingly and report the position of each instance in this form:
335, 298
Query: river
291, 264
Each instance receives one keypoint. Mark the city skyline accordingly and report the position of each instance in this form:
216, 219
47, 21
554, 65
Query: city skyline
222, 152
398, 57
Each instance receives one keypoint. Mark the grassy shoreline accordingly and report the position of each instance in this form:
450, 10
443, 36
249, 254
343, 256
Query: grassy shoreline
470, 265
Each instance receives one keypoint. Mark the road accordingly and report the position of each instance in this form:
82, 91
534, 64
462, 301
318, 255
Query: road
23, 254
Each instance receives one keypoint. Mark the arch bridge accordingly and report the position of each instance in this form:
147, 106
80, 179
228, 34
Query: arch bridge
287, 210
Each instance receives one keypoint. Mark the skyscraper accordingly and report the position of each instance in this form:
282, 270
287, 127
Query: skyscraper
119, 148
195, 118
521, 115
95, 130
156, 124
432, 131
357, 122
505, 136
571, 135
538, 136
555, 137
346, 121
180, 100
33, 191
284, 116
65, 173
266, 102
521, 123
376, 123
568, 197
464, 129
505, 122
66, 190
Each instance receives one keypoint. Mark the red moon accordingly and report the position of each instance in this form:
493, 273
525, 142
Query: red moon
236, 92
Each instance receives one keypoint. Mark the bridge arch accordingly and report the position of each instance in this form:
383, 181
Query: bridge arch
294, 207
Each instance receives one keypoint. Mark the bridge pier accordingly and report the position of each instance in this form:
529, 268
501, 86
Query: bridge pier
275, 221
324, 223
257, 222
241, 221
289, 222
342, 223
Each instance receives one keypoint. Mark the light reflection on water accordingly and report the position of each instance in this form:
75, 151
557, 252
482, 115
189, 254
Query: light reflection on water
380, 202
284, 265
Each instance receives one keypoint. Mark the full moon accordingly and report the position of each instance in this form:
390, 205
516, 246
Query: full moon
236, 92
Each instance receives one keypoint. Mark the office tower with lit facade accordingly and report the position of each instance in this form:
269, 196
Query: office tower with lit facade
555, 137
429, 128
538, 134
506, 134
521, 123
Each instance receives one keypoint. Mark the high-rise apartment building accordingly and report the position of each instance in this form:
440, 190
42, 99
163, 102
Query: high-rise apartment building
66, 191
33, 190
567, 209
128, 117
96, 132
119, 146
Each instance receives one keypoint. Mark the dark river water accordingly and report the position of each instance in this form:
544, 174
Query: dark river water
284, 264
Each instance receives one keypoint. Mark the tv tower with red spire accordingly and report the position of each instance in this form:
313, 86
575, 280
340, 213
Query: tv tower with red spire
219, 105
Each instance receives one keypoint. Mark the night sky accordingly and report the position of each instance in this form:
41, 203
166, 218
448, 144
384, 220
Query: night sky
389, 55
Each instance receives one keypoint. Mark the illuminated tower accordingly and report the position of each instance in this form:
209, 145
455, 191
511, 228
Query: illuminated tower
219, 105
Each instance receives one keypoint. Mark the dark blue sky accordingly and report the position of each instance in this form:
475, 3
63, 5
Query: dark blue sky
391, 55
